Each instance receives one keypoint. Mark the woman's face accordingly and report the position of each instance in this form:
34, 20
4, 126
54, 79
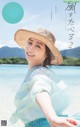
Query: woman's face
35, 52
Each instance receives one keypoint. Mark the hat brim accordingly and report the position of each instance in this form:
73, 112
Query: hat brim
22, 36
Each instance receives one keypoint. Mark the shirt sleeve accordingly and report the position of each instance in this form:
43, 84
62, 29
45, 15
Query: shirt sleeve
41, 83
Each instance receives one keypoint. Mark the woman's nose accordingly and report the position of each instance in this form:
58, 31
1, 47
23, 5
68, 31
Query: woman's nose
31, 48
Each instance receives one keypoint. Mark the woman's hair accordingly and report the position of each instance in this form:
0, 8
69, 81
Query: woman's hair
47, 60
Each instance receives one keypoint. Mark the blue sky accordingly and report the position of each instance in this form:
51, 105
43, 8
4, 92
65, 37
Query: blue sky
37, 14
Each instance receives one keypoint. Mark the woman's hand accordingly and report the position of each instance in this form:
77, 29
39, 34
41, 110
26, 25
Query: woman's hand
63, 122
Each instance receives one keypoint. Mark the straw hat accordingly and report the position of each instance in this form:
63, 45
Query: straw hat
22, 36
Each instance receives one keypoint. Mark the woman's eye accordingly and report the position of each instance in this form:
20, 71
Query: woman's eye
38, 46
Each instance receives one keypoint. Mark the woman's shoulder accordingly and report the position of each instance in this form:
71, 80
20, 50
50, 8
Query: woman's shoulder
41, 70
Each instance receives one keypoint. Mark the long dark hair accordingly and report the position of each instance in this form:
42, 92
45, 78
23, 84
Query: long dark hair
47, 60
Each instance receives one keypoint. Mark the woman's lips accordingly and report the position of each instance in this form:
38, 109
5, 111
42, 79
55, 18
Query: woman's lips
29, 54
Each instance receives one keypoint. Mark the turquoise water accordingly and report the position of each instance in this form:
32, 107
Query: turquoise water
14, 74
11, 76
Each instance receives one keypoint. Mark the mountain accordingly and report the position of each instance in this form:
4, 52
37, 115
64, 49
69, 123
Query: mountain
6, 52
73, 52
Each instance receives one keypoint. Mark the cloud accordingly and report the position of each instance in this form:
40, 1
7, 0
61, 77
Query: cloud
1, 45
77, 30
9, 43
78, 35
28, 18
62, 45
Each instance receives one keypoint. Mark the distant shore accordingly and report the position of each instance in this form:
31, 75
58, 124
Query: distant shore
67, 61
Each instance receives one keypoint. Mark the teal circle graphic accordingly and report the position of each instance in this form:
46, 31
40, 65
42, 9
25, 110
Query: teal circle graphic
12, 12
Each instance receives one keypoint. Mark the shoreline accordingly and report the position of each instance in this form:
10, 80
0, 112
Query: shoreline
50, 65
67, 61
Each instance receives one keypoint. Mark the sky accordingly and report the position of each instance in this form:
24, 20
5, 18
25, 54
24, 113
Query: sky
56, 16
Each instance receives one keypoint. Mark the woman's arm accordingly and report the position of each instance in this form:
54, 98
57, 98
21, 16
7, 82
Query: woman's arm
44, 101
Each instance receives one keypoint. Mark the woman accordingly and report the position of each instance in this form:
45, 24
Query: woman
40, 101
